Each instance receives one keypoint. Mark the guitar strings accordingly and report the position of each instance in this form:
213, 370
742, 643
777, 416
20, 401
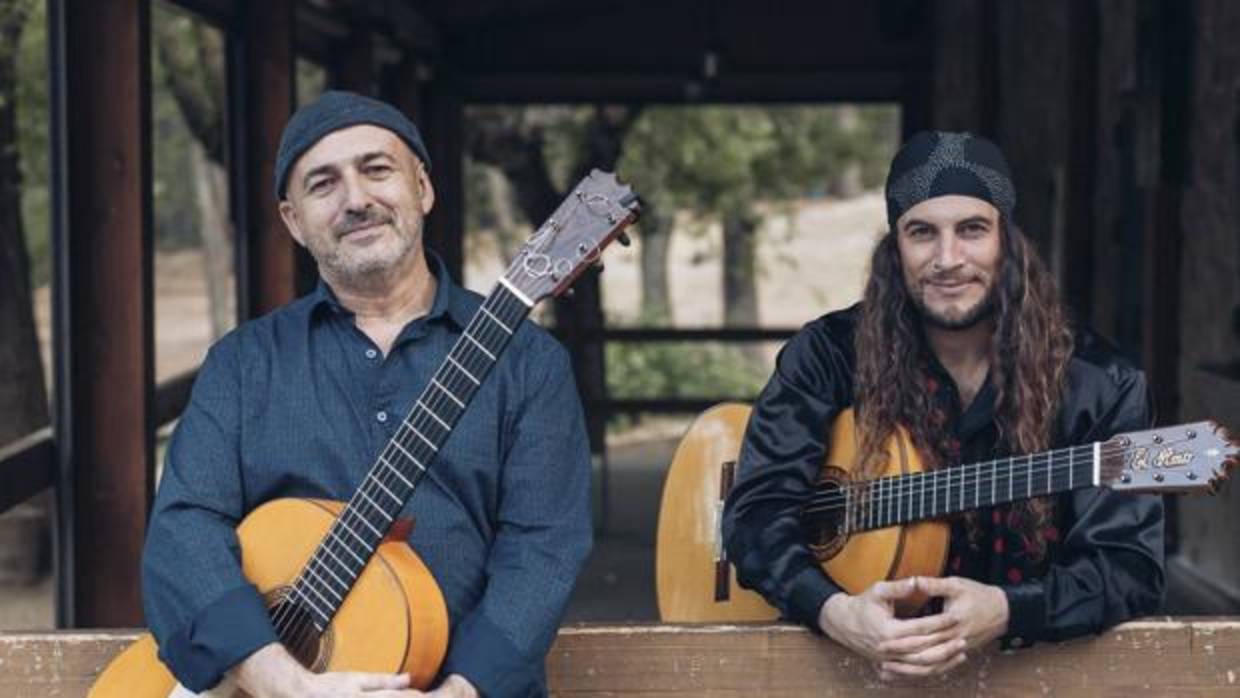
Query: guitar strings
296, 628
900, 487
299, 626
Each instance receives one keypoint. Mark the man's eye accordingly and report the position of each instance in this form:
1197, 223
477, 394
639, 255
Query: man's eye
378, 170
318, 186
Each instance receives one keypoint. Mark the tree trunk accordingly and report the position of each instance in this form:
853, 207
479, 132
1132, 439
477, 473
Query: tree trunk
211, 192
23, 396
654, 241
740, 272
507, 231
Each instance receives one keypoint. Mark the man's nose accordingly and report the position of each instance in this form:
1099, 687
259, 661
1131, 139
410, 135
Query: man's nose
357, 198
947, 255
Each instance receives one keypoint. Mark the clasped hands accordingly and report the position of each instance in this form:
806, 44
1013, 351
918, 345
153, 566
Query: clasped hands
973, 615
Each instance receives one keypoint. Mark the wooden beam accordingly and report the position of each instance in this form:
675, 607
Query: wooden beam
26, 468
790, 86
354, 68
103, 305
1185, 657
270, 269
443, 130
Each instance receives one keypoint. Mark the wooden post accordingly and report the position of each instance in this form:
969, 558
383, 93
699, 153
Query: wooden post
271, 270
443, 131
101, 117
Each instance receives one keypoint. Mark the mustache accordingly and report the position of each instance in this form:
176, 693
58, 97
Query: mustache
357, 221
952, 277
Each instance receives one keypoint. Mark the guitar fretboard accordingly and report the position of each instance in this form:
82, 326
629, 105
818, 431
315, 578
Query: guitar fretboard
377, 503
902, 499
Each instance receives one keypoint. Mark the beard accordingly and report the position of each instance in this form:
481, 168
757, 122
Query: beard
980, 311
356, 265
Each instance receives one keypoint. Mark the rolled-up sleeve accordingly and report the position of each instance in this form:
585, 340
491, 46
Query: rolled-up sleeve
204, 614
542, 538
1110, 568
781, 458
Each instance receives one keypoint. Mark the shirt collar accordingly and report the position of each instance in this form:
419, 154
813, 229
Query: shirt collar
980, 413
451, 301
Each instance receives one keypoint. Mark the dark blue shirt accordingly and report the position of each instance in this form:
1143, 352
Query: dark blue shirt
298, 404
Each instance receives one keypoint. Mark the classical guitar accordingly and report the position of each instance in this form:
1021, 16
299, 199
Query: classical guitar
864, 531
344, 590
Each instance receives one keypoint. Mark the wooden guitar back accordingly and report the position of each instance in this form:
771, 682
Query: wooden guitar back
689, 537
393, 620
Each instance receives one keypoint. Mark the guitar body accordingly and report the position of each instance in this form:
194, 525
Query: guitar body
393, 620
695, 585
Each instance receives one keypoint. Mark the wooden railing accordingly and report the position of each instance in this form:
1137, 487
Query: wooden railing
1166, 657
28, 465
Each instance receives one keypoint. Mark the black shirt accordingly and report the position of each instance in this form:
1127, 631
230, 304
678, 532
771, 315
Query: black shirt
1104, 561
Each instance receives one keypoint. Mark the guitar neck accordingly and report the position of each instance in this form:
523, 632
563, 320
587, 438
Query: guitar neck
904, 499
402, 463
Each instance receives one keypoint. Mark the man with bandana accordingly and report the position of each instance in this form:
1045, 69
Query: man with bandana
961, 339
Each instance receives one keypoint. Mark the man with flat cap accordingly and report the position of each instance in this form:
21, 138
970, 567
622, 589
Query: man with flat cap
961, 339
297, 404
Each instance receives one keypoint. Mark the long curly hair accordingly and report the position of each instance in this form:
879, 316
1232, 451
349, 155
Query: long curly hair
1028, 358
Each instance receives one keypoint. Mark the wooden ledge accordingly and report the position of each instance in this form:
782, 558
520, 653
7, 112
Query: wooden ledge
1185, 656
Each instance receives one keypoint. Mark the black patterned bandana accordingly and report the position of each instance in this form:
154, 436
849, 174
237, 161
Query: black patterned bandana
941, 163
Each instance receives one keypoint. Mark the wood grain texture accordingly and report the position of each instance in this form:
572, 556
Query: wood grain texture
1181, 657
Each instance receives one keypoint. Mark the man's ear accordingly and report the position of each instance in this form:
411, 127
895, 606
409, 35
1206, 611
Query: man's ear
427, 199
288, 213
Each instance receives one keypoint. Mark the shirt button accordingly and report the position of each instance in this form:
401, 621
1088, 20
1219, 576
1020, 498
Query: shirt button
371, 353
381, 416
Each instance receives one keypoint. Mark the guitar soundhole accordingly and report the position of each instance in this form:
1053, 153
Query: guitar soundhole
823, 517
297, 631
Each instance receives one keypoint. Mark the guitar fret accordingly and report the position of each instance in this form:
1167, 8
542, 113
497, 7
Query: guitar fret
977, 486
921, 512
358, 515
499, 322
1029, 475
1011, 476
464, 370
447, 392
384, 514
1049, 471
1071, 466
901, 494
343, 544
994, 475
306, 583
317, 561
361, 540
425, 440
962, 478
434, 416
314, 587
311, 605
401, 448
386, 491
397, 473
479, 345
348, 570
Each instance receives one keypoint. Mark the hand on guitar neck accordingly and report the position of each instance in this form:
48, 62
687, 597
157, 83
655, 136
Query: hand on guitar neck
973, 615
272, 672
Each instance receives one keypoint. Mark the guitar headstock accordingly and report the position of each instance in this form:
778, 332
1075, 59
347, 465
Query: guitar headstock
595, 213
1183, 458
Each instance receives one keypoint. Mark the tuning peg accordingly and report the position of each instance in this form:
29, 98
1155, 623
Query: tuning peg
624, 239
598, 266
570, 293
